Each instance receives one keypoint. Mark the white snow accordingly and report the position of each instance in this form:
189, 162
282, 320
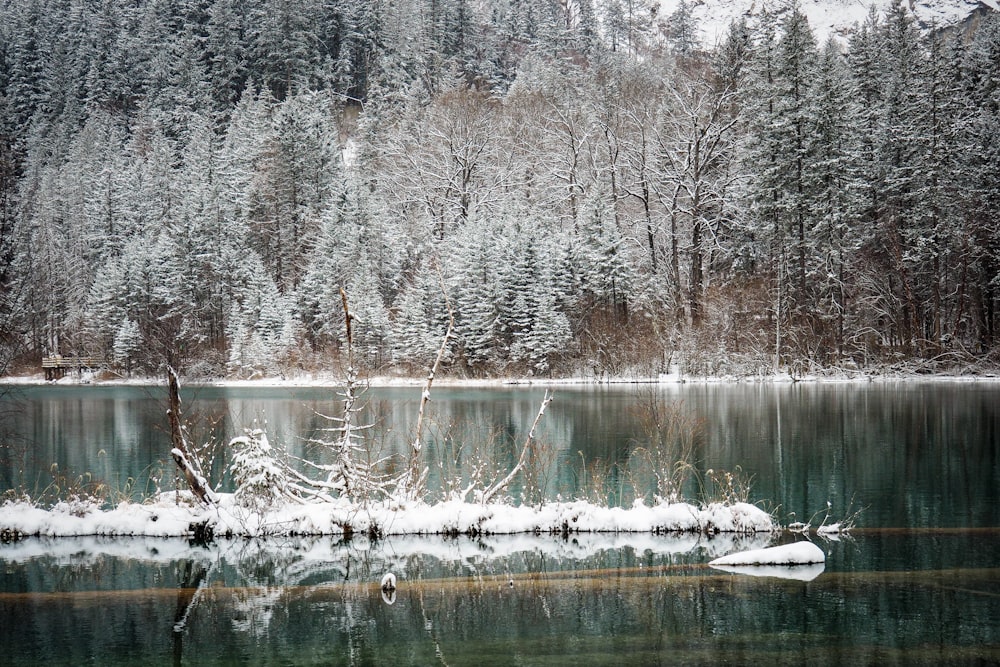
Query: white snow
388, 554
166, 517
827, 18
797, 553
831, 529
796, 572
802, 561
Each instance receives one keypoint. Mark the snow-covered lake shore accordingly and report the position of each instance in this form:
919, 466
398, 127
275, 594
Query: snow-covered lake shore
333, 381
164, 516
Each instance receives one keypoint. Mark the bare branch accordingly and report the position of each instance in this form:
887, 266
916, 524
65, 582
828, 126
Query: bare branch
490, 493
412, 480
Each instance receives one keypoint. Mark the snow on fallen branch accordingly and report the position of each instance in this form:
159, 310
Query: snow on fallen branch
490, 493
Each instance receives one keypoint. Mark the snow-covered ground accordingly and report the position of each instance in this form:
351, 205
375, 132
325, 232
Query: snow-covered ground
331, 380
827, 18
166, 517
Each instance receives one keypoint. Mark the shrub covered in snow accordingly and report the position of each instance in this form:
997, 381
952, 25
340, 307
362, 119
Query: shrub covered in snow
261, 480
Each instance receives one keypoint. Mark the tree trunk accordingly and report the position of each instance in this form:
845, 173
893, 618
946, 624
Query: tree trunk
180, 452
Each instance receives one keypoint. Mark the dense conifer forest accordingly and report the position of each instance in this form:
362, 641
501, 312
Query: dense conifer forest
587, 186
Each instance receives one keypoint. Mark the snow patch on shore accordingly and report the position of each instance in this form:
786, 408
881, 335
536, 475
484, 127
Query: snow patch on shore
166, 517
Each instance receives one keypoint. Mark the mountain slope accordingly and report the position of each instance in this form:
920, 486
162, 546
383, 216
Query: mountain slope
828, 18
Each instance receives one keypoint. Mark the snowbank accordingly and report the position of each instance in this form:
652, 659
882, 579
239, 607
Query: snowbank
391, 552
166, 517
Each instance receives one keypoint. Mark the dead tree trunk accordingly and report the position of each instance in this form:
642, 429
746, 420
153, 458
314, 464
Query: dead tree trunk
181, 453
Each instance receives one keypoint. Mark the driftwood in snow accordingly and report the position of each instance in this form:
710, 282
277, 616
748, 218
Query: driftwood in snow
186, 462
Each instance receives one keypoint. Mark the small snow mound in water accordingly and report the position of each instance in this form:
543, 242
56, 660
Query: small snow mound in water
798, 553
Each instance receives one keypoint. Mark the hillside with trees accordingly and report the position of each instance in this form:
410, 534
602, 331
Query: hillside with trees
587, 186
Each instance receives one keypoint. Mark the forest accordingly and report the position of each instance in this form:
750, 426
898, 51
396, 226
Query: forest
585, 187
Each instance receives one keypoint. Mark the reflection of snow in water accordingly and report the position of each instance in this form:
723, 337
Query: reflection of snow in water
796, 572
801, 560
253, 609
290, 560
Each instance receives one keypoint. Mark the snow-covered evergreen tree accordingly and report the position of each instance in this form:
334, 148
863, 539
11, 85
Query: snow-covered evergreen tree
261, 479
128, 342
833, 208
262, 330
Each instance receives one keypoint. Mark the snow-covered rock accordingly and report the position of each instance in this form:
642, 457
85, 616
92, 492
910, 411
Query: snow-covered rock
802, 561
797, 553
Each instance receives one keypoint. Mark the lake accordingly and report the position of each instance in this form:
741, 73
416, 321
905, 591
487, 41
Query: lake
918, 581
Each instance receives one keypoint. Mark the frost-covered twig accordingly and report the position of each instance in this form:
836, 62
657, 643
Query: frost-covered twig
827, 529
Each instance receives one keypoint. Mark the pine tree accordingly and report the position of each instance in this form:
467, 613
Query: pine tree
414, 342
896, 147
287, 51
261, 329
833, 208
229, 31
730, 60
479, 253
981, 162
539, 330
682, 31
127, 343
261, 479
601, 263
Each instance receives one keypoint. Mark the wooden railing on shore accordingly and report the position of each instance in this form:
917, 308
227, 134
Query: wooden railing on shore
56, 367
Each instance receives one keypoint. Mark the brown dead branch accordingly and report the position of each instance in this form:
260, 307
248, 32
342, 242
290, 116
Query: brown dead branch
181, 453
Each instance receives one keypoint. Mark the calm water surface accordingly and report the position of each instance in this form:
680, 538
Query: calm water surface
917, 583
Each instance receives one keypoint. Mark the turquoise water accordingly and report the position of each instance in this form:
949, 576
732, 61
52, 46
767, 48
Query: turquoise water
917, 583
907, 454
501, 602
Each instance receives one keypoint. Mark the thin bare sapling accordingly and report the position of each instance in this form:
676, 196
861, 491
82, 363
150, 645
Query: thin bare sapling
411, 484
352, 474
